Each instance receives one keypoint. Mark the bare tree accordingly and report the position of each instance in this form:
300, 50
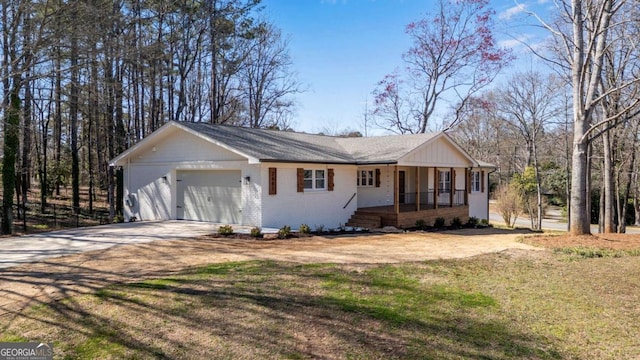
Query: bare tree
583, 34
527, 105
267, 79
453, 54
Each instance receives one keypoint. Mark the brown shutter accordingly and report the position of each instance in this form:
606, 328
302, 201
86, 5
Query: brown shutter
300, 180
481, 181
468, 174
377, 178
273, 181
330, 180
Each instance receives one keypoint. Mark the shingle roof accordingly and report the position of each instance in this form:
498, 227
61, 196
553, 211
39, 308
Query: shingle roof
272, 145
284, 146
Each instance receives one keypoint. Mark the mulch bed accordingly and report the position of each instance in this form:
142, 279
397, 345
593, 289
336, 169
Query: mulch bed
600, 241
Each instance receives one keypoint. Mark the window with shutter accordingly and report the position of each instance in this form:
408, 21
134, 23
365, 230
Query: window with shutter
313, 179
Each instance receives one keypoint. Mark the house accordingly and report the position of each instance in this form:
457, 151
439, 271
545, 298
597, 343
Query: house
267, 178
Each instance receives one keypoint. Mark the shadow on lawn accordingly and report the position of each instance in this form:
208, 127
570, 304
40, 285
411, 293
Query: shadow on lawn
266, 309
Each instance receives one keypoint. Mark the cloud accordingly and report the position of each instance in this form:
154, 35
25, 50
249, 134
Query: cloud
515, 42
512, 11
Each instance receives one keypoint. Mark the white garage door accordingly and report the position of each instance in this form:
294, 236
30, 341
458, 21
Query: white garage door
214, 196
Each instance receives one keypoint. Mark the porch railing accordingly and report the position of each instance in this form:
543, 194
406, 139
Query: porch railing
427, 198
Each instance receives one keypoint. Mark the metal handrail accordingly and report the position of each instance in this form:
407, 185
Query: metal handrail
349, 202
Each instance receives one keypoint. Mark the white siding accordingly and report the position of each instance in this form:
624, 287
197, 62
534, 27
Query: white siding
479, 201
179, 145
377, 196
147, 195
321, 207
439, 152
155, 197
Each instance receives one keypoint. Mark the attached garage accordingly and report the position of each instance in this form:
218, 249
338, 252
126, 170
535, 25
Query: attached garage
209, 195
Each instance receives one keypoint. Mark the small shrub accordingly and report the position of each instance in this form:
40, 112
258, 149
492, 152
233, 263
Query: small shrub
319, 229
255, 232
284, 232
304, 229
118, 219
473, 221
225, 230
133, 219
421, 224
484, 222
456, 222
439, 222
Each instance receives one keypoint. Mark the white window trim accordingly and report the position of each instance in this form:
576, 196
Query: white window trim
369, 178
476, 182
313, 180
444, 180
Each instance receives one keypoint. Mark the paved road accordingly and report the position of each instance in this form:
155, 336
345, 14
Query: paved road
549, 224
35, 247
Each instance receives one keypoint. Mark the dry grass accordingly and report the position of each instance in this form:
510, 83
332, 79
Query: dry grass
515, 304
601, 241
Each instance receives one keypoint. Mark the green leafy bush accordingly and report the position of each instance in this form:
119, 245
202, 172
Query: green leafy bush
473, 221
304, 229
256, 232
421, 224
456, 222
284, 232
225, 230
439, 222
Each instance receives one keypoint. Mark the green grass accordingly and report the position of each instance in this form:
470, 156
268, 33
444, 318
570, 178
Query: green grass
488, 307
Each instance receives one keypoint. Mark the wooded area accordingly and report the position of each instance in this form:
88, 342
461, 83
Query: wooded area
573, 135
83, 80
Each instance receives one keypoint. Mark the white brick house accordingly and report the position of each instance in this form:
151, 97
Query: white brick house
224, 174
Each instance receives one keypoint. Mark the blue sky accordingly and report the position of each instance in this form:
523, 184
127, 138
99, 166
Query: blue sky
341, 48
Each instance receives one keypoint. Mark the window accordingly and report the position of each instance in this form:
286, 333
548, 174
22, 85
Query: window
475, 181
314, 179
444, 185
365, 178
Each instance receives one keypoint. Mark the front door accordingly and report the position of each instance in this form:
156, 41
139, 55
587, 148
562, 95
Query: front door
401, 187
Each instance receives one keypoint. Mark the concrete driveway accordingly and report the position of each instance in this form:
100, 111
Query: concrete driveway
35, 247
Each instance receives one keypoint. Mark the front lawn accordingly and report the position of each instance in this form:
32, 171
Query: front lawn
517, 304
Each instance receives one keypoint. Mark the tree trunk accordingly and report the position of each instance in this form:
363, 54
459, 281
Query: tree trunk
580, 221
73, 123
622, 215
607, 182
11, 133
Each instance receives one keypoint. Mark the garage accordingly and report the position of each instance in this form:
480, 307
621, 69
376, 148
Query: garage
211, 195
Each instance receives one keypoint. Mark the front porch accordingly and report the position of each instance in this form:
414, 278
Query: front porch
400, 195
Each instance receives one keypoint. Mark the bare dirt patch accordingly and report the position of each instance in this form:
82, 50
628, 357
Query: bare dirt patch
86, 273
598, 241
